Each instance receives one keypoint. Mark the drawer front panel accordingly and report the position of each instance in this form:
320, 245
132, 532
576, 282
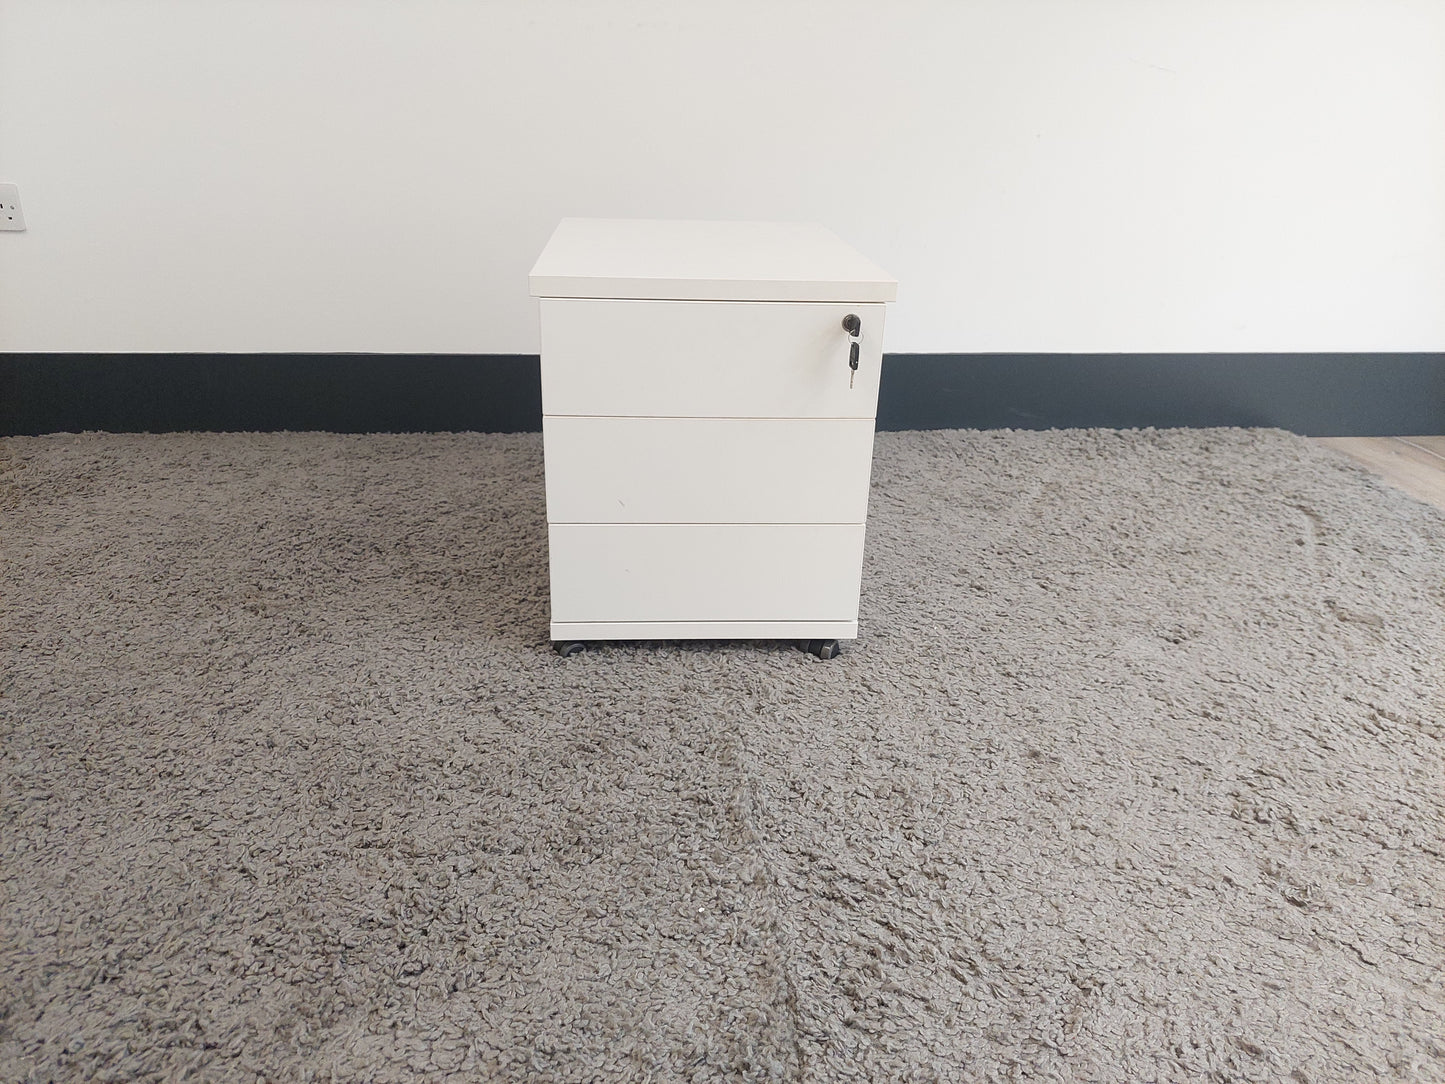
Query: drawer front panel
705, 572
708, 359
707, 470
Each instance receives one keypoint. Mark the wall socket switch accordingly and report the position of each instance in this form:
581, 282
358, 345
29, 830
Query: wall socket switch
11, 216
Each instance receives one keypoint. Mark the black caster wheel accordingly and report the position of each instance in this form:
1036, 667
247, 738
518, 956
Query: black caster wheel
568, 648
824, 649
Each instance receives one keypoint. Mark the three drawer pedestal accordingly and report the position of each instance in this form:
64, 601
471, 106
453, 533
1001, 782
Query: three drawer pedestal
707, 459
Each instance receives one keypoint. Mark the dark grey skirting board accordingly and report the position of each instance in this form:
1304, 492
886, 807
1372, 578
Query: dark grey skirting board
1366, 394
1338, 394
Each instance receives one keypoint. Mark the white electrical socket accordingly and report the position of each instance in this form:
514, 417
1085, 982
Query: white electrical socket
11, 216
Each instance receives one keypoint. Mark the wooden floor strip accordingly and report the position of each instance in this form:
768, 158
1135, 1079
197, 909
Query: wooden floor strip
1414, 464
1433, 445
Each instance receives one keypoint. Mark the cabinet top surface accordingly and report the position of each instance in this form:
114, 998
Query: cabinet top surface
711, 261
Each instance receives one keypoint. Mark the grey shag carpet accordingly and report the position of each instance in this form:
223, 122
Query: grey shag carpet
1134, 774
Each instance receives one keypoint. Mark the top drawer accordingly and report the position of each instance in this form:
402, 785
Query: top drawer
707, 359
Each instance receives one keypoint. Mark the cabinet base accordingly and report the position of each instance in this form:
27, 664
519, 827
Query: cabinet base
704, 630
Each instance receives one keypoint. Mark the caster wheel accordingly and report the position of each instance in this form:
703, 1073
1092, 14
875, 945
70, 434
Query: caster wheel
568, 648
824, 649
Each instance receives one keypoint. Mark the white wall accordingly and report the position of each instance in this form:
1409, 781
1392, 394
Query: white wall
1052, 175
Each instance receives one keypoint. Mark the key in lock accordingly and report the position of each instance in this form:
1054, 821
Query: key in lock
853, 326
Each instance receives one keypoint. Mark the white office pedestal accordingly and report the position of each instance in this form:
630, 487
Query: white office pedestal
707, 442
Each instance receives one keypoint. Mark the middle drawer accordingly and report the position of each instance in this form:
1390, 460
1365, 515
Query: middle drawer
707, 470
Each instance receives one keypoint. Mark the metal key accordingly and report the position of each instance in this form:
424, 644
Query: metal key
852, 325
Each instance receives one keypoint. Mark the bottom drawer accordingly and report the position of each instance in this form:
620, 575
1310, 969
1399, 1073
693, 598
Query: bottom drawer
705, 572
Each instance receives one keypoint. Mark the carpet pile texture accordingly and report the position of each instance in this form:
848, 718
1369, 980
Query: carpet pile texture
1135, 773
